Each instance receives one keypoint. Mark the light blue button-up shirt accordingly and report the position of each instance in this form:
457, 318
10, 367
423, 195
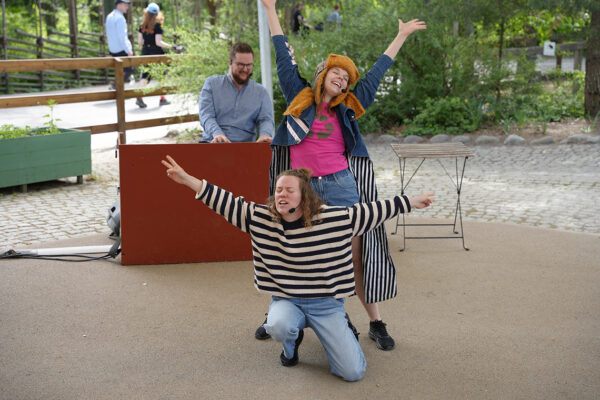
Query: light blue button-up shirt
238, 114
116, 33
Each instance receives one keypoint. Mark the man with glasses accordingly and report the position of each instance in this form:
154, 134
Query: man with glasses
233, 107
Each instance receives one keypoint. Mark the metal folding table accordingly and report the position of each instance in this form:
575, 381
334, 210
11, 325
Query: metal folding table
434, 151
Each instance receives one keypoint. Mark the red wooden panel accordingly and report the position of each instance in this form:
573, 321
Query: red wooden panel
162, 222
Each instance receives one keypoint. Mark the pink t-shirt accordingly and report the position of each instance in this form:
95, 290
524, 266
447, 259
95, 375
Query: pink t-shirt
322, 150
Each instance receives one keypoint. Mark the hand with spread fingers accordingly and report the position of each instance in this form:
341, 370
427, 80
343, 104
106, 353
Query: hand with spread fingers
406, 28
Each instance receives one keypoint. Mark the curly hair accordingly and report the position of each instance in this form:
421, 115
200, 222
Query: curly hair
310, 201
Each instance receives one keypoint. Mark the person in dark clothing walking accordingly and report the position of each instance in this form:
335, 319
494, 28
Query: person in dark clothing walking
150, 38
298, 23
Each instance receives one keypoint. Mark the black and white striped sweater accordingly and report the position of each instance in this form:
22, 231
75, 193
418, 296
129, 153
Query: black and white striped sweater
291, 260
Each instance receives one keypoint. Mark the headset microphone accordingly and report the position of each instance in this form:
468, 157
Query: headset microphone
344, 90
292, 210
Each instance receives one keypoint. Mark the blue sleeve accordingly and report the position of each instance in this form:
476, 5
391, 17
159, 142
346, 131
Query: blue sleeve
122, 27
367, 86
265, 123
287, 69
207, 113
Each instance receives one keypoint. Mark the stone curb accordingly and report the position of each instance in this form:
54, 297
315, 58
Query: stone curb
482, 140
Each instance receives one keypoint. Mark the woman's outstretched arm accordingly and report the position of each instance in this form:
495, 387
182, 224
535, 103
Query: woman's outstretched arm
274, 25
404, 30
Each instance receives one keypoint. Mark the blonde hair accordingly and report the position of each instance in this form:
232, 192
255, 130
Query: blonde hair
310, 202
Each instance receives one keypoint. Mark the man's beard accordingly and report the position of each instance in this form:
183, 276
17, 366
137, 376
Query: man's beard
239, 79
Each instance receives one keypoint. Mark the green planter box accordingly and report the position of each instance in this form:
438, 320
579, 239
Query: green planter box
42, 158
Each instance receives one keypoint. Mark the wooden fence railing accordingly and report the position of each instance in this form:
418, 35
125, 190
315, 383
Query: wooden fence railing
24, 46
119, 94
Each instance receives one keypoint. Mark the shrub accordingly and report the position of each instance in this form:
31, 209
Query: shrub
446, 115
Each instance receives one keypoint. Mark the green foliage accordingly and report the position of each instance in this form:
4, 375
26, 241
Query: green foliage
441, 81
205, 55
9, 131
530, 28
451, 115
50, 124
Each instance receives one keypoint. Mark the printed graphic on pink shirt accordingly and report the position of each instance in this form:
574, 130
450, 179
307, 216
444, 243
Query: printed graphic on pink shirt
322, 150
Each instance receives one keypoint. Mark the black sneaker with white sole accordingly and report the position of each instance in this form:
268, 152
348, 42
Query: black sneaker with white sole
379, 333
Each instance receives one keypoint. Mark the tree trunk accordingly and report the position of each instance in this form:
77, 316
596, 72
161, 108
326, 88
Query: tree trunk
49, 10
212, 7
592, 68
500, 51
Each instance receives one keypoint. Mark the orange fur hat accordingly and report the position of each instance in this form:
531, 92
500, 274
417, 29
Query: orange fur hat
307, 96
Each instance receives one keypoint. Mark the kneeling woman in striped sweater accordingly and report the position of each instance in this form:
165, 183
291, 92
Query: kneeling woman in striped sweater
303, 258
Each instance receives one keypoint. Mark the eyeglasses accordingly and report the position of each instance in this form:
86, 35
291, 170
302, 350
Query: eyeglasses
240, 65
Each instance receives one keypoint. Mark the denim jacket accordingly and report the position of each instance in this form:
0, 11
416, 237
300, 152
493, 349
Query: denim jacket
293, 130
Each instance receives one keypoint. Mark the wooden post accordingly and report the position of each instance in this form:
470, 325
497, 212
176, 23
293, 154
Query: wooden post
73, 36
120, 98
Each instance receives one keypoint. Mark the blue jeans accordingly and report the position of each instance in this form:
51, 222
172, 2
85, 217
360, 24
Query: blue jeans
337, 189
327, 318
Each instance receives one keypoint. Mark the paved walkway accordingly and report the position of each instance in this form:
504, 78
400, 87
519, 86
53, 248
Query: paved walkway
551, 186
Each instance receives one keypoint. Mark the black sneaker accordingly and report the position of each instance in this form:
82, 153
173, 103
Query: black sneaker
261, 332
379, 334
163, 102
290, 362
140, 103
352, 327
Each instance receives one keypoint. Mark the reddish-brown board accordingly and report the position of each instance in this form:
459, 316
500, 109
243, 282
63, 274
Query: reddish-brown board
162, 222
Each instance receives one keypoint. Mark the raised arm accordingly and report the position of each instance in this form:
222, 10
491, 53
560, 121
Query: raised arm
234, 209
404, 30
287, 69
274, 25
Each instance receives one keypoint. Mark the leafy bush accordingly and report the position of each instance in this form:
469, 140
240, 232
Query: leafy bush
451, 115
205, 55
9, 131
439, 82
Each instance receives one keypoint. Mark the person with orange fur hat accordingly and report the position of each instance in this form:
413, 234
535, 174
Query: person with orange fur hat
320, 132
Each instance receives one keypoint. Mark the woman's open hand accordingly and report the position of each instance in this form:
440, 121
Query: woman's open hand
406, 28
